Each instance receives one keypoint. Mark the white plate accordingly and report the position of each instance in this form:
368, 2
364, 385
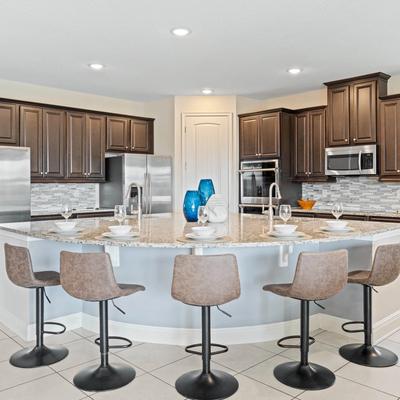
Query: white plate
286, 235
343, 230
111, 235
204, 238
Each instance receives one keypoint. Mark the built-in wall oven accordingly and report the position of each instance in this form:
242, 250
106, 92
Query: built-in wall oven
351, 160
255, 180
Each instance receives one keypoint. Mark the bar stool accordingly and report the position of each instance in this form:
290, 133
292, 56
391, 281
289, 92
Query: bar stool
206, 281
318, 276
385, 269
90, 277
20, 272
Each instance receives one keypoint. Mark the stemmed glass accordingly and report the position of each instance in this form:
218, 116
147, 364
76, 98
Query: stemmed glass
120, 213
337, 210
202, 215
285, 212
66, 211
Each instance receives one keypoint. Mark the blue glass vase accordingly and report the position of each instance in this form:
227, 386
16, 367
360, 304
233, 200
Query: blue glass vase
206, 190
191, 204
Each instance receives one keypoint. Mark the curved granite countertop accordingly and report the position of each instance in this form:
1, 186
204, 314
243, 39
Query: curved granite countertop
241, 230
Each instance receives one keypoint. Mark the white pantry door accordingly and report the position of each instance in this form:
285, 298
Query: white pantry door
206, 152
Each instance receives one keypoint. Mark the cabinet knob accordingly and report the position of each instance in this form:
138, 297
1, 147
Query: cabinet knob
46, 173
126, 147
133, 148
346, 140
354, 140
398, 170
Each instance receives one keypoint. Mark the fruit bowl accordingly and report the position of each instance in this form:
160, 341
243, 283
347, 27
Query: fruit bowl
306, 204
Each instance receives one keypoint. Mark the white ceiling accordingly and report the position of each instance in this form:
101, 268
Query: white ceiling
241, 47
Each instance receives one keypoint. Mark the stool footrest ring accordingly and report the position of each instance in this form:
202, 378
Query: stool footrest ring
223, 348
280, 343
63, 328
353, 323
116, 346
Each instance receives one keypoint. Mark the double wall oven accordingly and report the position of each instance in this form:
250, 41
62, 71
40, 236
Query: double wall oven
255, 180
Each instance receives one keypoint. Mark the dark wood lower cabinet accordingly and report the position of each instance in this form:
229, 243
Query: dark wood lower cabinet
9, 131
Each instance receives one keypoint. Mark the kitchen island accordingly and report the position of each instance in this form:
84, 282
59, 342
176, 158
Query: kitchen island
153, 316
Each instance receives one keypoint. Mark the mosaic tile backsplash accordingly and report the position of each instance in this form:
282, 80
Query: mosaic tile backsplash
51, 196
356, 194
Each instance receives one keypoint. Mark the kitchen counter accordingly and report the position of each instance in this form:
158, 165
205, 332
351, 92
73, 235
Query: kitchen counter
153, 316
241, 230
349, 213
37, 213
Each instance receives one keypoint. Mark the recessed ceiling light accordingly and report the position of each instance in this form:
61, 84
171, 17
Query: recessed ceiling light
96, 66
294, 70
180, 31
207, 91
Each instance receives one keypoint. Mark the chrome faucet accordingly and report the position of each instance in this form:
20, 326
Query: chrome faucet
139, 196
270, 207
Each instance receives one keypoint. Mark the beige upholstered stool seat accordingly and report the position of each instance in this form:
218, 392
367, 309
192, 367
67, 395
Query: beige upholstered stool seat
359, 276
281, 289
46, 278
129, 288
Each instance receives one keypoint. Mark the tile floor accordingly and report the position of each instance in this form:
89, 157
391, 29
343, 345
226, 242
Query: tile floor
158, 366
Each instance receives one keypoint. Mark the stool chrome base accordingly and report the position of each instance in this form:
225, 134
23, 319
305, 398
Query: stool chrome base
98, 378
214, 385
308, 377
370, 356
38, 356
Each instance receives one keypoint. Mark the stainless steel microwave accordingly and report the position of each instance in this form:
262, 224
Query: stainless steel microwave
351, 160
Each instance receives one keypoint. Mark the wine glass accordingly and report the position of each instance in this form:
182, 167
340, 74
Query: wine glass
337, 210
285, 212
66, 211
202, 215
119, 213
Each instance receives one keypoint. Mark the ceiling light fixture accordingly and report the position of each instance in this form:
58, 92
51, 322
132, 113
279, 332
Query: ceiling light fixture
96, 66
207, 91
181, 32
294, 70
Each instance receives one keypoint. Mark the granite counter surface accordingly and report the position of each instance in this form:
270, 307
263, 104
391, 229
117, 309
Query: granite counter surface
241, 230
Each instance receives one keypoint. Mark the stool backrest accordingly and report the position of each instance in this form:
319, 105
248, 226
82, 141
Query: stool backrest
88, 276
205, 280
386, 265
320, 275
19, 265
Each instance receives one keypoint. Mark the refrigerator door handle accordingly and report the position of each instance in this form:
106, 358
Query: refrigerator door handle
145, 195
149, 192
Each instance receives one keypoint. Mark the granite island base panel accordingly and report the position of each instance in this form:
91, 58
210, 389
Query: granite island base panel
153, 316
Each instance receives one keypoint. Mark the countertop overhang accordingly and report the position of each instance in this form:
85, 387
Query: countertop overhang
168, 231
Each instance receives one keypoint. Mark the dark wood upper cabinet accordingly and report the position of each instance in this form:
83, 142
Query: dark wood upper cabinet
140, 139
389, 139
339, 116
268, 138
95, 146
261, 134
31, 122
309, 145
353, 109
76, 145
118, 134
53, 143
248, 137
9, 132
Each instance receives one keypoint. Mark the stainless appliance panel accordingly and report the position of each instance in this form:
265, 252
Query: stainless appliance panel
135, 171
255, 179
15, 184
350, 160
159, 184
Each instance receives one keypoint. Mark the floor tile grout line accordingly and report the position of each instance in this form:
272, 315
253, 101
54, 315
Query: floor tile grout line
255, 365
26, 382
370, 387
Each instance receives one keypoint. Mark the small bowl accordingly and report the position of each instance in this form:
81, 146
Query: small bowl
306, 204
285, 229
65, 226
336, 224
120, 229
203, 231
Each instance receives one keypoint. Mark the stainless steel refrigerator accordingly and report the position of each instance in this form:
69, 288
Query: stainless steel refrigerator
152, 173
15, 184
